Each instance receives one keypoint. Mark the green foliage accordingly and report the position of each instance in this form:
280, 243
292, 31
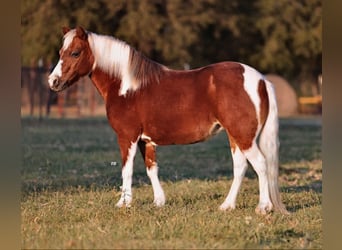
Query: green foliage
273, 36
292, 37
70, 187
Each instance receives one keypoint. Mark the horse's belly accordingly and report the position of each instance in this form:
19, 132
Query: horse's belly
182, 115
180, 132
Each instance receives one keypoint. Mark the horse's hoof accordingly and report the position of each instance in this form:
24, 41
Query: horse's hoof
159, 202
228, 207
263, 209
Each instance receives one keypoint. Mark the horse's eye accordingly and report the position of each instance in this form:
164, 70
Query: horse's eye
75, 54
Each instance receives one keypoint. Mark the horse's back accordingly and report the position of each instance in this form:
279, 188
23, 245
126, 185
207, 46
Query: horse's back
187, 106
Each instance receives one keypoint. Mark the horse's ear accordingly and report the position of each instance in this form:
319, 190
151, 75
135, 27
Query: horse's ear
65, 30
81, 33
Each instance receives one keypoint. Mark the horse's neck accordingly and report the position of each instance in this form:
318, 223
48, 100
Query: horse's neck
105, 83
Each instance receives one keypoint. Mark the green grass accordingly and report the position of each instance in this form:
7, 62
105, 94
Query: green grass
70, 185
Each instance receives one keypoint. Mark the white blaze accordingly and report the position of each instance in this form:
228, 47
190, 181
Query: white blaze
68, 37
56, 73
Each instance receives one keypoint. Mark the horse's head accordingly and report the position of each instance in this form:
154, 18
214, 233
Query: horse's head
76, 59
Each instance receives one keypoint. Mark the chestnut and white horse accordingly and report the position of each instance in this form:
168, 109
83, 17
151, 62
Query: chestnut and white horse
149, 104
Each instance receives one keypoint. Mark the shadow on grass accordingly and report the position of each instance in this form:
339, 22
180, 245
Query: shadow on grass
315, 186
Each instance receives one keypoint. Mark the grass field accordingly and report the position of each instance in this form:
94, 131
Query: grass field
71, 174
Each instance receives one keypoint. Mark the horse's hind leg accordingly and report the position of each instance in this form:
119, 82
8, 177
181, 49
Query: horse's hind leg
148, 151
239, 168
258, 162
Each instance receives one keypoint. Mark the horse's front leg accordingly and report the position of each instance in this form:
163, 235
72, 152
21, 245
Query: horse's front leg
148, 151
128, 149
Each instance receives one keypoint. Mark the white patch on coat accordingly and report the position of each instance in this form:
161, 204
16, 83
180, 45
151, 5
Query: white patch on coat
240, 167
258, 162
148, 139
251, 84
127, 173
159, 196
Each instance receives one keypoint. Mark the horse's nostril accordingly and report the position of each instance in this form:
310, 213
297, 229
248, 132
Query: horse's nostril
53, 82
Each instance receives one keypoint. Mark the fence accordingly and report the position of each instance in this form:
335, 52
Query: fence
81, 99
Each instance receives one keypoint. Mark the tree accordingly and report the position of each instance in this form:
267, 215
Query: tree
39, 29
281, 37
141, 26
292, 38
42, 22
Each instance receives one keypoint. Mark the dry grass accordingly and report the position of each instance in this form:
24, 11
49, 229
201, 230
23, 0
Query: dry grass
70, 187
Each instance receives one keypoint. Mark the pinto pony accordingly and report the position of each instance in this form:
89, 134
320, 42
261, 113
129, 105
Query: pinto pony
149, 104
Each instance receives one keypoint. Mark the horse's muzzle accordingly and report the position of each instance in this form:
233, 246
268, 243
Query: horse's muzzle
56, 84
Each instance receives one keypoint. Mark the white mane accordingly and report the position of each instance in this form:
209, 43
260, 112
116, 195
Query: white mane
113, 57
120, 60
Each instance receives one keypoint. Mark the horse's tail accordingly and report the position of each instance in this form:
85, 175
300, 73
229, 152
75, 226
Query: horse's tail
269, 145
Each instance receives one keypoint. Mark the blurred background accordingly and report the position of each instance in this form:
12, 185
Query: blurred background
282, 39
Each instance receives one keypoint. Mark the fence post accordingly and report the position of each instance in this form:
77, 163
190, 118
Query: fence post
40, 86
32, 85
